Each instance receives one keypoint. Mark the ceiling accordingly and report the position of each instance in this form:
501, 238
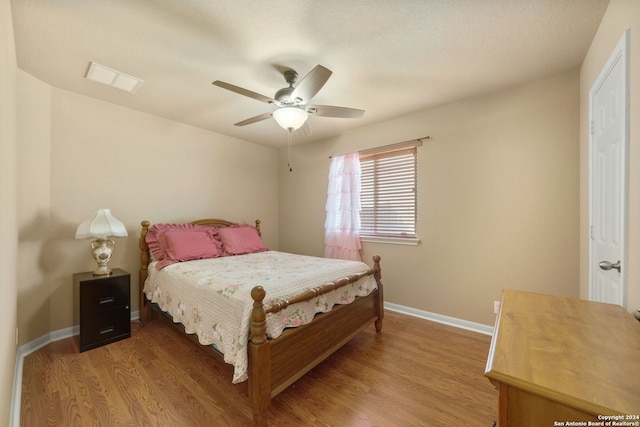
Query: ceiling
388, 58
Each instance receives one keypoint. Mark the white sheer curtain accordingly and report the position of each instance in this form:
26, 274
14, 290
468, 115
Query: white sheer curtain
343, 209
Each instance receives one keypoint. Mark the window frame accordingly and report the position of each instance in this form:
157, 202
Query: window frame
386, 158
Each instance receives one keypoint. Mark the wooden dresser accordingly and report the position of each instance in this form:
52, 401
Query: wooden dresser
556, 360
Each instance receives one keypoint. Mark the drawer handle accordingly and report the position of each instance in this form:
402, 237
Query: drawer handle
106, 330
106, 300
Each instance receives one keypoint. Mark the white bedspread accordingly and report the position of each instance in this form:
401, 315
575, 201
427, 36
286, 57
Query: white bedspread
212, 297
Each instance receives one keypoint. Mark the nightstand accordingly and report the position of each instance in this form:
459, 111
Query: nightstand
105, 308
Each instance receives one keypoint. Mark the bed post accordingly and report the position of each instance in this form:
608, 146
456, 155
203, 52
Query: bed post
258, 227
144, 272
259, 360
379, 297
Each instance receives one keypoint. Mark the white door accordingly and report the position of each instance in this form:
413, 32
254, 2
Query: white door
608, 109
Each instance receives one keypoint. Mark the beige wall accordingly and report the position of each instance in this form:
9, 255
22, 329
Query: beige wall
83, 154
620, 15
34, 204
498, 199
8, 234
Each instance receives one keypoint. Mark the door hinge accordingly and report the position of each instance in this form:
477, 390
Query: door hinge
591, 232
593, 127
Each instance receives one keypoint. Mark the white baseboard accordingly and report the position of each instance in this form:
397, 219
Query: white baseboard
28, 348
435, 317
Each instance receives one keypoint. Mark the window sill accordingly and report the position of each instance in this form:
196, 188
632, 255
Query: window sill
392, 240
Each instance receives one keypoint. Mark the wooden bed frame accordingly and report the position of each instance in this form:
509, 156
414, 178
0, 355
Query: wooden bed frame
274, 364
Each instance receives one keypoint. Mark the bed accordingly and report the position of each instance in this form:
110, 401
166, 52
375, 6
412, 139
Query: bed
274, 359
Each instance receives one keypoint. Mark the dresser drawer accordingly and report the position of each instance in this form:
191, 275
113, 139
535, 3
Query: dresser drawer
105, 327
105, 295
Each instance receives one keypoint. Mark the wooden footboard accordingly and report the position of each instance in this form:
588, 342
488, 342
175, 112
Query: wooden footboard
274, 364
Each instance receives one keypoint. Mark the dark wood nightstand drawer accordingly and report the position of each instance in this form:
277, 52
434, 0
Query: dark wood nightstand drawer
105, 328
106, 294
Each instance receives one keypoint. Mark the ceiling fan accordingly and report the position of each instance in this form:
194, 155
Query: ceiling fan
293, 102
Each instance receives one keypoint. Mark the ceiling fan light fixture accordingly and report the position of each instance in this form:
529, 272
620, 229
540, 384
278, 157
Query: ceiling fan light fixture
290, 118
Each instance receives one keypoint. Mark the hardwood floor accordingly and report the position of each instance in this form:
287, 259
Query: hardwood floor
416, 373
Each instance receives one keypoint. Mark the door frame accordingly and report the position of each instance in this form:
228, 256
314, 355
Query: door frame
620, 53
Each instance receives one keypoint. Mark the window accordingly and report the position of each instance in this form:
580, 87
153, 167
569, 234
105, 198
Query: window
388, 193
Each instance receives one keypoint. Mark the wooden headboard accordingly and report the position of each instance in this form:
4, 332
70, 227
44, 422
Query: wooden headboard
145, 256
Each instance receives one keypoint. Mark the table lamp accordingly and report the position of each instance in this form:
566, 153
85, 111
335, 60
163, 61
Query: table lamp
101, 226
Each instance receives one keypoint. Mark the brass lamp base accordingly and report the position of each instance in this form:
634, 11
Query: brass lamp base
102, 271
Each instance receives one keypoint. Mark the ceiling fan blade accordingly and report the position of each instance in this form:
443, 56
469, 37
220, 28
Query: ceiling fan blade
311, 83
254, 119
245, 92
332, 111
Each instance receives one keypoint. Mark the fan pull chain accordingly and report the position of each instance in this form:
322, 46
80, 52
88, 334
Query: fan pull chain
289, 151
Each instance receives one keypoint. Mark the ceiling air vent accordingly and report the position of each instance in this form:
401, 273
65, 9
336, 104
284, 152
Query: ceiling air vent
100, 73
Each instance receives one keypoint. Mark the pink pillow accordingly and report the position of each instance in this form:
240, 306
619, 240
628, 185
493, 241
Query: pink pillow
175, 248
184, 245
241, 239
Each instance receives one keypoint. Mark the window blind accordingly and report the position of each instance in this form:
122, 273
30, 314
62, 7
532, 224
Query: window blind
388, 192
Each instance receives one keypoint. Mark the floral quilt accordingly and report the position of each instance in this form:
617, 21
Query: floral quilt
212, 297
